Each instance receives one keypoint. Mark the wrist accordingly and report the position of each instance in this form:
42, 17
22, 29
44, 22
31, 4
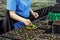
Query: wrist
23, 20
20, 19
33, 13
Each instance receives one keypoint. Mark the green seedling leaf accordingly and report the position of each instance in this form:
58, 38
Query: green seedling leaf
31, 27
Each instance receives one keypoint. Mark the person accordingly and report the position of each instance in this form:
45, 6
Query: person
19, 10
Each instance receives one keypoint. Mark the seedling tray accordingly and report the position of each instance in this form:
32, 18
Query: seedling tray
47, 37
23, 34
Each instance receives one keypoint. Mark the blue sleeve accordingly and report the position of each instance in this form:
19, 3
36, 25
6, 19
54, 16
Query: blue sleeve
11, 5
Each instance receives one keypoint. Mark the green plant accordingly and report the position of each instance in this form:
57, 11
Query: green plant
31, 27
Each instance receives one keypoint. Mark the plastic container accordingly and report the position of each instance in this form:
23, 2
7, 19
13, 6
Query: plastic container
54, 16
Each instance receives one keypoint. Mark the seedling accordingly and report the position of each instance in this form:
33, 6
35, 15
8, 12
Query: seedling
31, 27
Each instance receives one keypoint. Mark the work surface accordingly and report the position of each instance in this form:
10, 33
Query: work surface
25, 34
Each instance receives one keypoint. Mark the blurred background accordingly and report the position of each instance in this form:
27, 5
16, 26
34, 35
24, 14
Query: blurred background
36, 4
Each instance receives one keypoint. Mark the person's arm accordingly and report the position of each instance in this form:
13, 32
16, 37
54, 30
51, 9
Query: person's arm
35, 14
11, 6
14, 16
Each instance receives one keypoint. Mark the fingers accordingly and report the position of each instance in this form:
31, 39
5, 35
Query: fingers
28, 22
36, 15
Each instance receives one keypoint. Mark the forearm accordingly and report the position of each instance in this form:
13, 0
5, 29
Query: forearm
14, 16
35, 14
32, 12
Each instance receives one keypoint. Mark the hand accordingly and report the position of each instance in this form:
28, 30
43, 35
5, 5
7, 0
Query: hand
27, 22
35, 14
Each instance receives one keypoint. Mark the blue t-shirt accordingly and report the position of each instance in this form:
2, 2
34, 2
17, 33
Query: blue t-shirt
21, 7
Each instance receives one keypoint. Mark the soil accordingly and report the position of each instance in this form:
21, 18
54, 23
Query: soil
47, 37
23, 33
